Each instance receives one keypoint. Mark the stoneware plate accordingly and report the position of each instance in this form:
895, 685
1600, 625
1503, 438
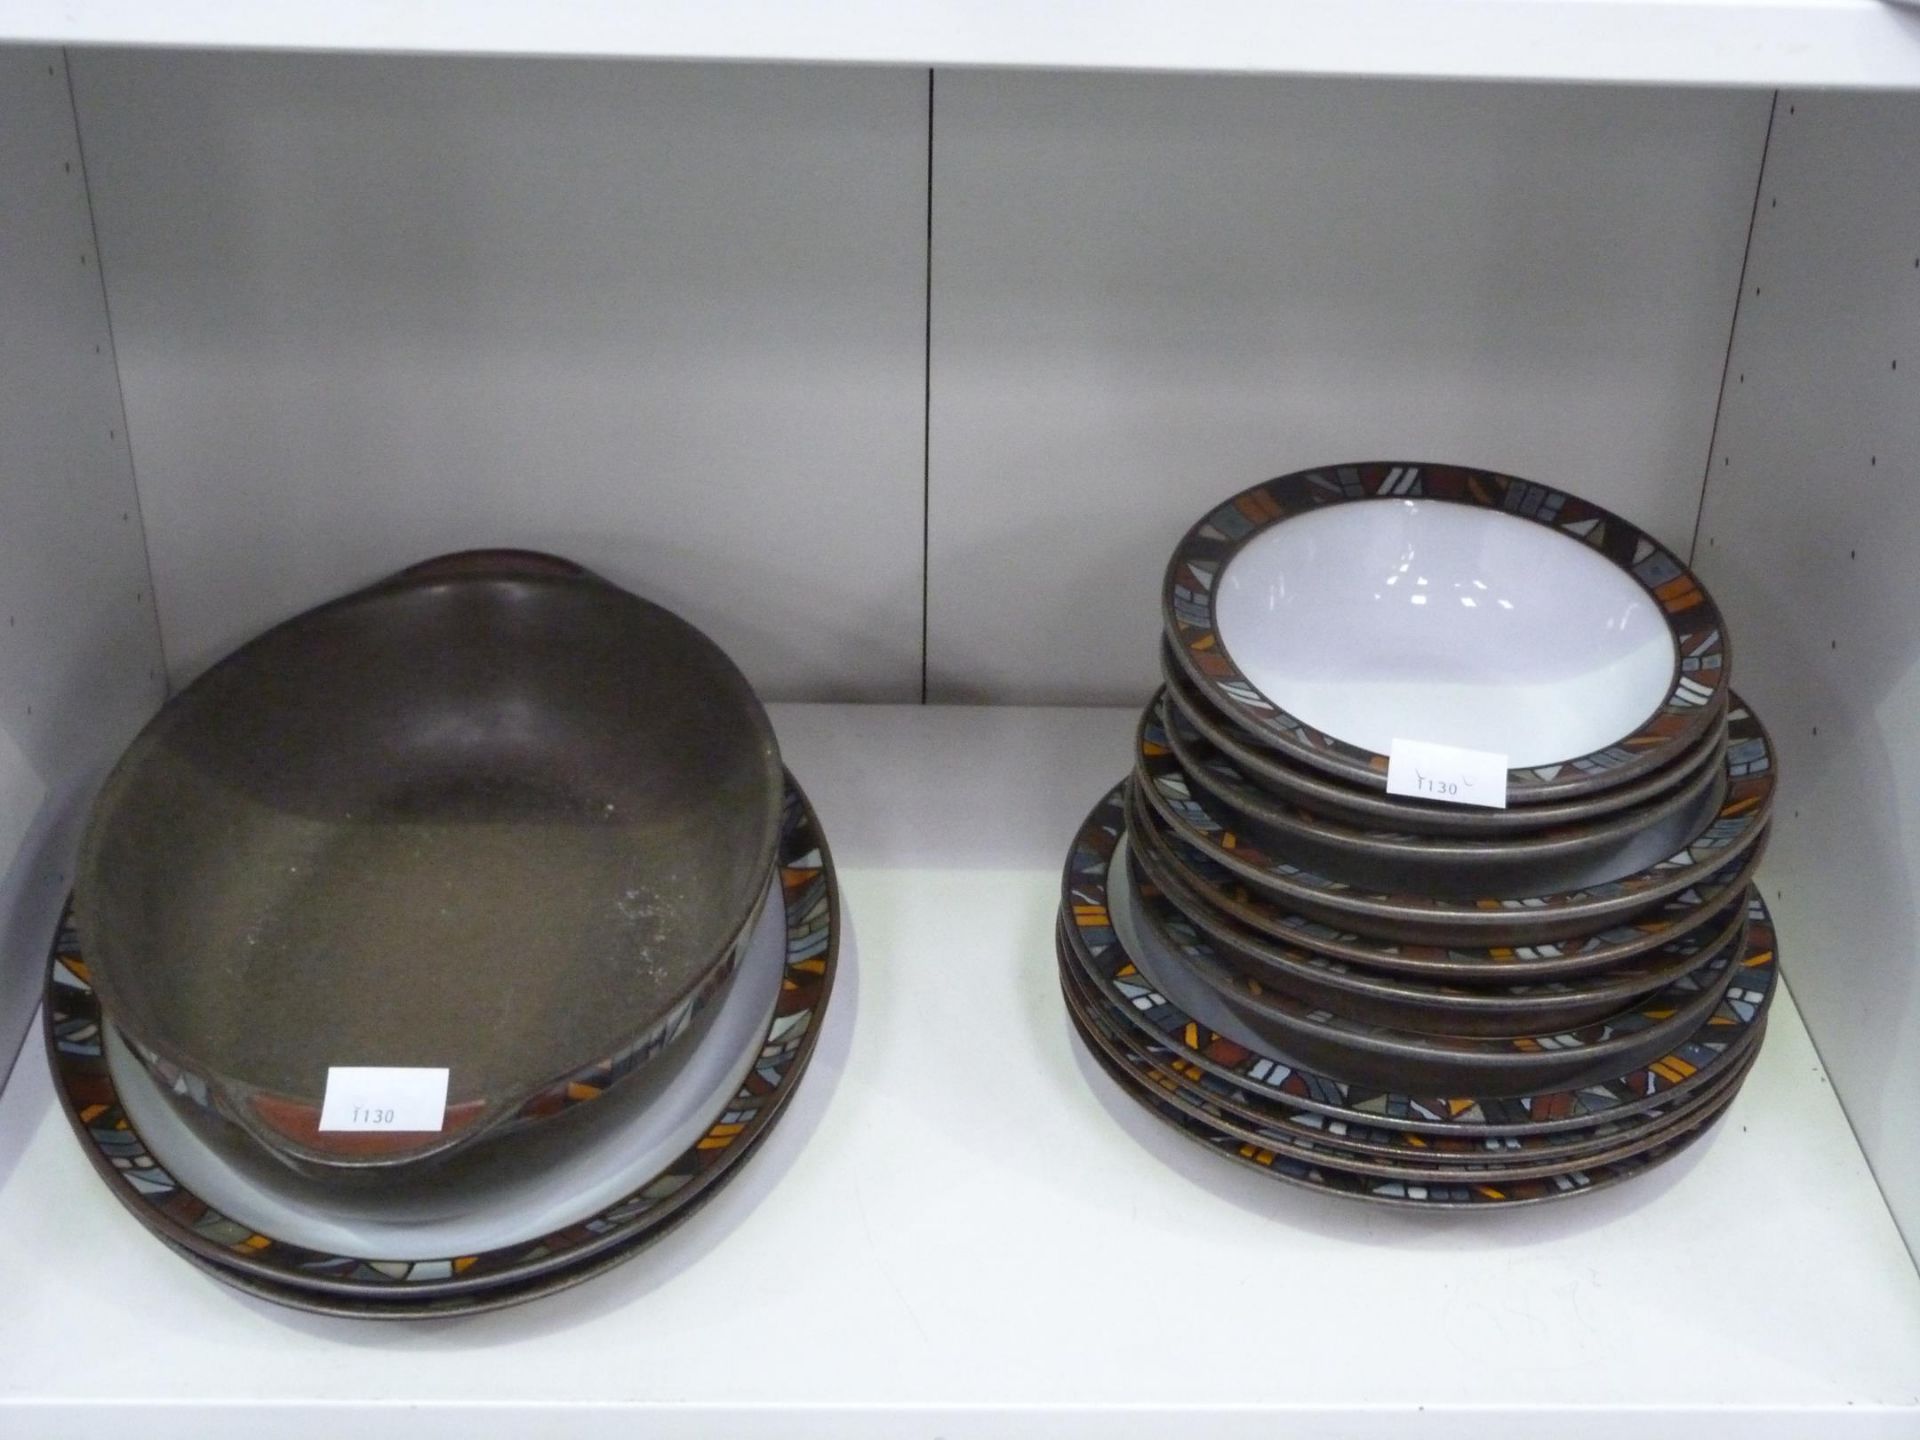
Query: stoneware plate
1261, 1072
1175, 959
1289, 783
1511, 919
494, 1297
1601, 951
141, 1181
1447, 864
1419, 1194
1197, 1104
1334, 611
1411, 1003
1327, 1135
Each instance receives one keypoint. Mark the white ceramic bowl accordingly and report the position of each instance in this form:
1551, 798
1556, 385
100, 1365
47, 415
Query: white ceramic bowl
1424, 620
1329, 613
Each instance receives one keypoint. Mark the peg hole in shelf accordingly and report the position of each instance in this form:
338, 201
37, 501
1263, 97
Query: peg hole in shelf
1853, 554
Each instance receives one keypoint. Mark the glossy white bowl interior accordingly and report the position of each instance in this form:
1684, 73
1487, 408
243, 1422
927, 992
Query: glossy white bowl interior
1393, 619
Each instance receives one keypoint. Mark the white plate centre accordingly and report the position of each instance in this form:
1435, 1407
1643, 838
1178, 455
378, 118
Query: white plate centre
1421, 619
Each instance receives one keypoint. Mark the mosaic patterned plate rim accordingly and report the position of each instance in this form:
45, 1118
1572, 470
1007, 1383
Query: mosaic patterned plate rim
1401, 1194
1688, 991
1310, 1127
1178, 1092
1097, 948
1637, 975
474, 1302
1315, 790
1701, 645
1751, 775
1225, 781
1600, 950
72, 1020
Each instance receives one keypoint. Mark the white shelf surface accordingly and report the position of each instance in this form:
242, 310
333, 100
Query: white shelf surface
1706, 42
964, 1230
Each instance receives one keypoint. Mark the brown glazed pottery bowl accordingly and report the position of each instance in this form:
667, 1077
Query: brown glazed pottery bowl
493, 814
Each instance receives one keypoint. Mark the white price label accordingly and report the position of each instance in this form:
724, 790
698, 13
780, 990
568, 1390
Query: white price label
1447, 773
384, 1097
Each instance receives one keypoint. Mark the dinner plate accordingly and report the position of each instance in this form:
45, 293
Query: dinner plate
1567, 856
1336, 610
1598, 952
1289, 783
1511, 919
494, 1297
1261, 1072
1197, 1104
139, 1177
1437, 1007
1430, 1195
1173, 958
1332, 1136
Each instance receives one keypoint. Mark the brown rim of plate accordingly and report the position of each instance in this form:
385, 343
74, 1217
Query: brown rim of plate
1397, 1193
1590, 954
1421, 917
1333, 1043
1383, 1139
1503, 1007
1287, 783
1224, 781
1273, 1077
1179, 1092
473, 1302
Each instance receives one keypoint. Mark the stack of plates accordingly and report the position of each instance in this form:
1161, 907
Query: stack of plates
443, 946
1279, 938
